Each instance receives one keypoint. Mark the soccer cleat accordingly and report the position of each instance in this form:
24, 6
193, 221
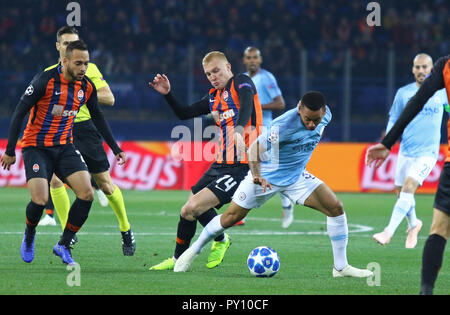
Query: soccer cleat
218, 250
27, 247
350, 271
185, 260
47, 220
128, 243
167, 264
382, 238
102, 198
74, 240
239, 223
288, 216
64, 253
411, 239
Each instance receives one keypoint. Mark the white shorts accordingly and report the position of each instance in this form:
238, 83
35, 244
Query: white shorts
249, 195
417, 168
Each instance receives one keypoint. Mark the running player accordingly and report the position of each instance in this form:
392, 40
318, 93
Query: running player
88, 141
234, 103
419, 150
289, 143
271, 99
433, 251
53, 99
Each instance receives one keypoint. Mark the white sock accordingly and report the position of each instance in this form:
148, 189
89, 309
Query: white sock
285, 201
338, 232
209, 232
411, 217
401, 208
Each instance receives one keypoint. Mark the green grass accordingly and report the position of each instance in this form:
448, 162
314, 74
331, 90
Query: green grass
304, 250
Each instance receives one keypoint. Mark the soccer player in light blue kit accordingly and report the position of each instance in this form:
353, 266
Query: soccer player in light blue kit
271, 99
419, 150
289, 144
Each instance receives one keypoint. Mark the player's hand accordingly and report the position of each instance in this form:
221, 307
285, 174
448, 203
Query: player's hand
376, 153
161, 84
7, 161
257, 180
121, 158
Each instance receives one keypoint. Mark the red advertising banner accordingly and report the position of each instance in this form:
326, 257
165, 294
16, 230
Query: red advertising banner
179, 165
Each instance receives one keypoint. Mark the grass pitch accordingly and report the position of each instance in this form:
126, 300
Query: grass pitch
304, 250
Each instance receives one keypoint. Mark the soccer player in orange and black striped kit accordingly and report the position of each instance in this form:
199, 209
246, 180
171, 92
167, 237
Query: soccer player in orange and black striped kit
54, 98
433, 251
233, 101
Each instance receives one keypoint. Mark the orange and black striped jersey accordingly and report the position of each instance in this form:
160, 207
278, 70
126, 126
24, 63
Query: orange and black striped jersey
53, 103
235, 108
439, 78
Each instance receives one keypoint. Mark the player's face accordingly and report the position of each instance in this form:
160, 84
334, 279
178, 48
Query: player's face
310, 119
421, 68
218, 72
252, 61
64, 40
76, 64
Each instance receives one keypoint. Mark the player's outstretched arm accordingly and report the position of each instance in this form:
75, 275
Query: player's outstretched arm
376, 153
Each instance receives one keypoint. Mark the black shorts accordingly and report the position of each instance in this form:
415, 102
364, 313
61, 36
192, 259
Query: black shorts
442, 198
89, 142
42, 162
222, 180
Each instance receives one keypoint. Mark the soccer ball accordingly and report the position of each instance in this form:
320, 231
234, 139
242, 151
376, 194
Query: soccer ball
263, 261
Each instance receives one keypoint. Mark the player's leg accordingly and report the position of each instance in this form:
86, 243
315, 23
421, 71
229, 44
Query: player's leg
49, 218
60, 199
433, 250
115, 199
288, 211
246, 197
216, 226
312, 192
37, 169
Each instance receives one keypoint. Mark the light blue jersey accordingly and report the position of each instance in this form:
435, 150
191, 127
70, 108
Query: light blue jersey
423, 134
289, 147
268, 89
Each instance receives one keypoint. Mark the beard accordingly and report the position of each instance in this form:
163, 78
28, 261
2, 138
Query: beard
72, 74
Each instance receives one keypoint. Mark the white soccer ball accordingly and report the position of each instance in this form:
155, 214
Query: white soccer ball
263, 261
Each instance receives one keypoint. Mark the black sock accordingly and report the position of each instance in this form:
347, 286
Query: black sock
185, 233
78, 214
432, 257
206, 217
33, 214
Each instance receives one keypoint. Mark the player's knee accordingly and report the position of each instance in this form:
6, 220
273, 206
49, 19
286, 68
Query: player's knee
56, 182
40, 200
336, 208
86, 194
188, 210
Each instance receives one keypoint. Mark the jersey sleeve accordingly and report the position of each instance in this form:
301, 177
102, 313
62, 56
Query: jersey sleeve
272, 86
395, 111
245, 90
35, 90
94, 74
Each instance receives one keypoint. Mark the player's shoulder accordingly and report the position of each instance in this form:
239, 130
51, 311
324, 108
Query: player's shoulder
408, 88
93, 70
43, 77
242, 80
266, 73
51, 67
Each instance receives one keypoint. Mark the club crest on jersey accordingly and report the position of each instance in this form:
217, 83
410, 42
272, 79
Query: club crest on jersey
225, 96
80, 95
29, 90
35, 167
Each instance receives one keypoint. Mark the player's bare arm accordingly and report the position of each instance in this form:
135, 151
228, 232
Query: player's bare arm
254, 163
105, 96
277, 104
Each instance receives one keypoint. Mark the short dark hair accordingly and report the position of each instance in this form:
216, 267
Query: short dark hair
65, 30
252, 48
313, 100
78, 44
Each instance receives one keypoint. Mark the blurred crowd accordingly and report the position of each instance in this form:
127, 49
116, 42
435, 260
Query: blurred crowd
155, 35
133, 40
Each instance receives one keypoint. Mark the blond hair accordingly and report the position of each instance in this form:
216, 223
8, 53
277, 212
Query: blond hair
212, 55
